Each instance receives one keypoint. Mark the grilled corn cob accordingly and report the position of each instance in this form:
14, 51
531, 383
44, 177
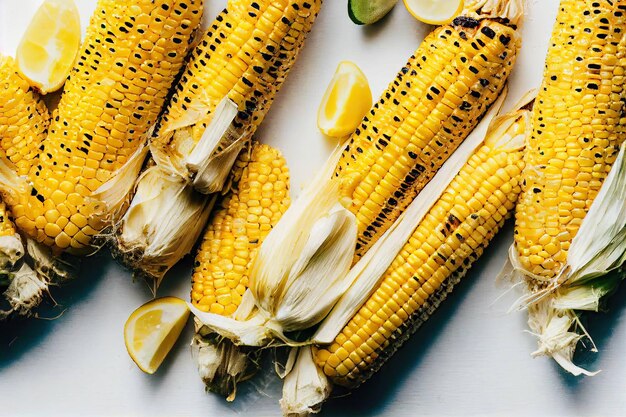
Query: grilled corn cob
577, 133
245, 57
258, 198
87, 164
426, 112
237, 69
441, 250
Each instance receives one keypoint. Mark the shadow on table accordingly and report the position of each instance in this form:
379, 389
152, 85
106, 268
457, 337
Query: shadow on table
21, 334
373, 397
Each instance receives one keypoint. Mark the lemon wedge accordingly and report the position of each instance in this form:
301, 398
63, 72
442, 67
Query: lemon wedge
152, 329
49, 46
347, 99
434, 12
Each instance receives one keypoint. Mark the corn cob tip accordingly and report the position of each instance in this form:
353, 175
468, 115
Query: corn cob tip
221, 364
39, 271
305, 387
511, 11
11, 251
161, 225
558, 333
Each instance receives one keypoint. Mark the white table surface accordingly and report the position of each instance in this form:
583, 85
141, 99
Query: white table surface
471, 358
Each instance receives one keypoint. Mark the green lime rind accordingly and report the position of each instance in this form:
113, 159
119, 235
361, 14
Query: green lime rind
366, 12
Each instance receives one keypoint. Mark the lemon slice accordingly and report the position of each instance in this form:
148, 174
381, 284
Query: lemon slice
49, 46
434, 12
152, 329
347, 99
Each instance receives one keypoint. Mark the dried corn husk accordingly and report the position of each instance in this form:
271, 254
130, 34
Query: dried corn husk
163, 222
38, 271
204, 165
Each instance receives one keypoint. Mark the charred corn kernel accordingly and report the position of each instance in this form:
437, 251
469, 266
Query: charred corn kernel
232, 237
578, 128
425, 113
114, 80
245, 56
24, 118
441, 249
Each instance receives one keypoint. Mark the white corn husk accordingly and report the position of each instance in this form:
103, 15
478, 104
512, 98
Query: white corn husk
513, 10
305, 387
162, 224
208, 168
25, 292
11, 251
39, 271
117, 191
221, 364
590, 273
201, 165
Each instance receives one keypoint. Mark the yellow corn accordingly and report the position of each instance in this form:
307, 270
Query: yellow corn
258, 198
131, 54
578, 128
425, 113
24, 121
245, 56
24, 118
442, 248
238, 226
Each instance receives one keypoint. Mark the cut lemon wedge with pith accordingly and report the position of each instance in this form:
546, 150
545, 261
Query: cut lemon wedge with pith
49, 46
152, 329
434, 12
347, 99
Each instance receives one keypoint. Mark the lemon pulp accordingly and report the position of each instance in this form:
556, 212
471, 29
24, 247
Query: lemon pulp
347, 99
49, 46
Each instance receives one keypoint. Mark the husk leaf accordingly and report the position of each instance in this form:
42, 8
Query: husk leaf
117, 191
11, 251
305, 387
511, 10
162, 224
201, 164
